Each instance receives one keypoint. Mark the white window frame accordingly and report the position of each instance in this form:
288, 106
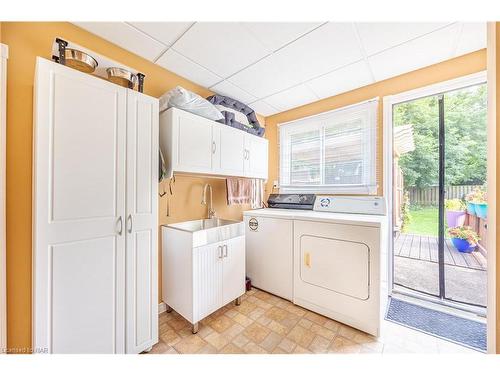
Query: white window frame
316, 122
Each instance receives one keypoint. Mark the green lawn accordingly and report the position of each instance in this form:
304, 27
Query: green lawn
423, 221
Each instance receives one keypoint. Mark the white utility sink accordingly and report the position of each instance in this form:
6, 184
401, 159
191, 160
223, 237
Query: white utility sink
207, 231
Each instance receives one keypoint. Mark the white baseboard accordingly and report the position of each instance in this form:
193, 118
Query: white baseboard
162, 307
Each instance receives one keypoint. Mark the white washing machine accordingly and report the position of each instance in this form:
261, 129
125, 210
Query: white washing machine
336, 262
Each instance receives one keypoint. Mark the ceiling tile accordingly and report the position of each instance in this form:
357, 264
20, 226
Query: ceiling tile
165, 32
276, 34
342, 80
291, 98
228, 89
222, 47
188, 69
327, 48
472, 38
424, 51
378, 36
126, 37
263, 108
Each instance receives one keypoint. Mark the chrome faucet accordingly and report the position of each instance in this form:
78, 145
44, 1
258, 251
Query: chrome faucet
211, 211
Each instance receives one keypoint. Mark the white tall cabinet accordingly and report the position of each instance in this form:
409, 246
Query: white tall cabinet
95, 214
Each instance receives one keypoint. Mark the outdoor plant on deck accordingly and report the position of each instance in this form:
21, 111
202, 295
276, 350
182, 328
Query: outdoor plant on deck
455, 212
476, 203
464, 238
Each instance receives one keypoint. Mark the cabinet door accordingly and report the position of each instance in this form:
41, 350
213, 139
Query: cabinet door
194, 143
233, 281
231, 151
79, 209
142, 222
207, 280
256, 157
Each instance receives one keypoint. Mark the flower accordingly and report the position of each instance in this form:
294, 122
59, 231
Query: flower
478, 195
465, 233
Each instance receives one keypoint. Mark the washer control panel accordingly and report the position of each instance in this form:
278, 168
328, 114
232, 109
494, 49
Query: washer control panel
351, 205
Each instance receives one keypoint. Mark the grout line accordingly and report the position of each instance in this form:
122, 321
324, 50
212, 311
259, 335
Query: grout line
279, 49
363, 51
175, 41
415, 38
457, 40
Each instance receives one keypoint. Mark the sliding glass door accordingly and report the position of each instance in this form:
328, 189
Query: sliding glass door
439, 161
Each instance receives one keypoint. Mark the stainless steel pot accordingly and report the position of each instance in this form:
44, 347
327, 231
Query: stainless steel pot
79, 60
121, 77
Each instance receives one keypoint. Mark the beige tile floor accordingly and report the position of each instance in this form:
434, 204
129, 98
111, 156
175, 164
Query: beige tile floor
265, 324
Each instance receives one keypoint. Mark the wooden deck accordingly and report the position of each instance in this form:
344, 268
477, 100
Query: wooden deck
426, 248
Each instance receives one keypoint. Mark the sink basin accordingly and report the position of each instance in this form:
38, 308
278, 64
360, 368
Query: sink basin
206, 231
202, 224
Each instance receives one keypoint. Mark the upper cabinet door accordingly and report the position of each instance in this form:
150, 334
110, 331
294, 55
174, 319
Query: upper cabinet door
230, 149
79, 209
256, 157
194, 143
141, 222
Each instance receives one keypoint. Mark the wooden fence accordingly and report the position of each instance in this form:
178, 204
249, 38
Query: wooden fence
429, 196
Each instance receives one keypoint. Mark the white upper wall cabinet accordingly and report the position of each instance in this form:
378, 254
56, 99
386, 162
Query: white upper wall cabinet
195, 145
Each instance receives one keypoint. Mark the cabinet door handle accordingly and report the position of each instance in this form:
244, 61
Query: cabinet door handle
214, 147
307, 260
120, 222
129, 221
220, 251
248, 154
225, 253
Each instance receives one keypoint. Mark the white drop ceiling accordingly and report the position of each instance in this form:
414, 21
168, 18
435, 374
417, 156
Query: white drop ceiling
277, 66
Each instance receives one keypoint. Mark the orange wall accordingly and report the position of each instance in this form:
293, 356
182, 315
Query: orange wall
457, 67
26, 41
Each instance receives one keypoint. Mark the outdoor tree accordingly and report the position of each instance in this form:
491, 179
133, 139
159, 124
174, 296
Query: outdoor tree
465, 138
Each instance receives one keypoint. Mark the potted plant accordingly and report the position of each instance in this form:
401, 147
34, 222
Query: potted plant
464, 238
481, 205
476, 195
455, 212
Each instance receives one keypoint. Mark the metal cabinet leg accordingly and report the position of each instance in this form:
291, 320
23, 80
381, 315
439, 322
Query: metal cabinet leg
169, 309
237, 301
195, 328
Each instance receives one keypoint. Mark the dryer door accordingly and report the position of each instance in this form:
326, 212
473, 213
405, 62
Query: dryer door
339, 265
337, 271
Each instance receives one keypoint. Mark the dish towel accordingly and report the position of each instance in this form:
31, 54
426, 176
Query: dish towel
239, 190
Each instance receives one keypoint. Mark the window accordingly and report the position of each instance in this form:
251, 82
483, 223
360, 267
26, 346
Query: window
333, 152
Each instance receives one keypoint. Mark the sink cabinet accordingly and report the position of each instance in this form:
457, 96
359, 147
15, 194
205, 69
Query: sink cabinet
218, 276
198, 278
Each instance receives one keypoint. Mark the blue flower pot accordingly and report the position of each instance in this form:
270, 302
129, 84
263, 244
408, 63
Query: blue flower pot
481, 210
471, 208
462, 245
